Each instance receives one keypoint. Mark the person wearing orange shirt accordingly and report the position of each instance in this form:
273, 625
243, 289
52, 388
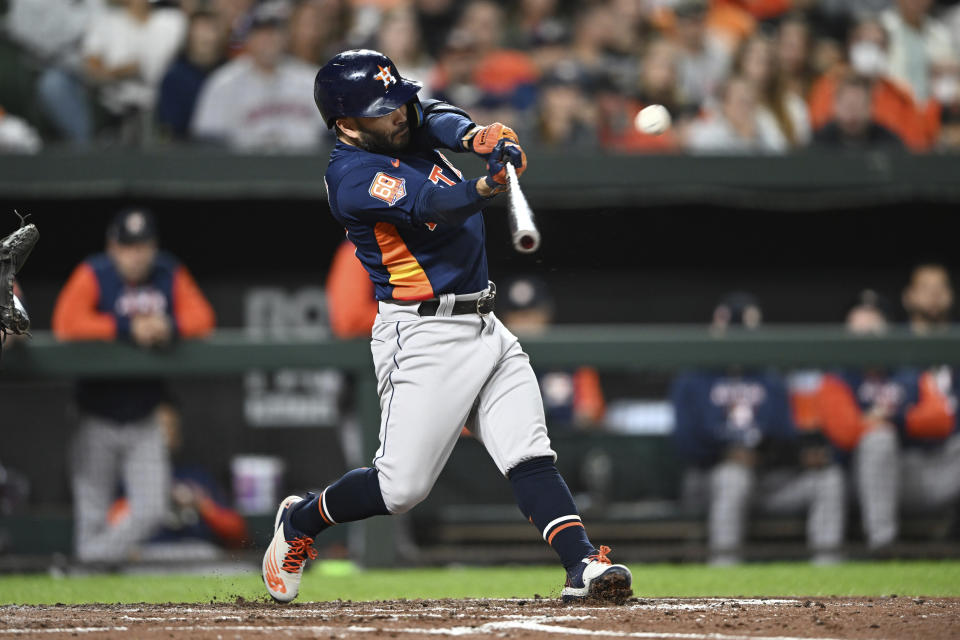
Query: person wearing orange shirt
136, 294
892, 105
899, 428
350, 299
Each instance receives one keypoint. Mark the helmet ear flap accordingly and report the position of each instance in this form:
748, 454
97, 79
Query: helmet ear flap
415, 113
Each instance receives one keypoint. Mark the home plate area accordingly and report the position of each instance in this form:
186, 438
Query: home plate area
688, 619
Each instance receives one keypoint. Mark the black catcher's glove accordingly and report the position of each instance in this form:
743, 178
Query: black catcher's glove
14, 250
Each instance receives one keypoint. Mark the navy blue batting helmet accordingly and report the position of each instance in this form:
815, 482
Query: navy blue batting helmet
361, 83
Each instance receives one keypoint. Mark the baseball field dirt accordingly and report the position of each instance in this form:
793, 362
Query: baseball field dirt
689, 619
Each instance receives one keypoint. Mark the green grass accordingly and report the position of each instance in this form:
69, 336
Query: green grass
327, 583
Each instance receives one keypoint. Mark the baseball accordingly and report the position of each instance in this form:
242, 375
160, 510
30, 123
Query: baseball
653, 120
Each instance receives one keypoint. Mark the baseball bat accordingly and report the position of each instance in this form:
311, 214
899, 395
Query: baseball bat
523, 226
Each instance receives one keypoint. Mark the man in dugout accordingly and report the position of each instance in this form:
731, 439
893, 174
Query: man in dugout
744, 453
137, 294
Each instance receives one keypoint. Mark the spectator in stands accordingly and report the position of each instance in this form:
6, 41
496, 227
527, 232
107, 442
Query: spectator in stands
853, 126
946, 93
704, 59
51, 31
918, 43
840, 10
236, 17
535, 21
596, 49
400, 40
263, 100
571, 398
436, 19
131, 293
793, 56
566, 116
351, 301
658, 79
126, 51
891, 104
452, 77
16, 136
657, 85
779, 109
506, 77
734, 20
316, 27
735, 431
735, 127
183, 81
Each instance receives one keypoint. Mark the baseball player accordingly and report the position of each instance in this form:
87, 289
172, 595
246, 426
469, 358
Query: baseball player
136, 294
732, 429
442, 358
902, 428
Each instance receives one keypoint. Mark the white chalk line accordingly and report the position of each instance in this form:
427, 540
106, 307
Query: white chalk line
65, 630
534, 624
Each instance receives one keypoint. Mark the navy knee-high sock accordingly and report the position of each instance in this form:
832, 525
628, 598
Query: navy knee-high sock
355, 496
543, 497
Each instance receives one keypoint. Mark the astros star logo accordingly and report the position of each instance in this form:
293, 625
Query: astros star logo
386, 76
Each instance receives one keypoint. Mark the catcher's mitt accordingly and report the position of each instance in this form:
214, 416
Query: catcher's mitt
14, 250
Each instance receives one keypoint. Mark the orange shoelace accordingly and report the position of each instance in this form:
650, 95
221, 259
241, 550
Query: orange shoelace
601, 555
300, 550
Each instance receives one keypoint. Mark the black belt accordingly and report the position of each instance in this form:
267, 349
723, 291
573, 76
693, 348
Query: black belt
481, 306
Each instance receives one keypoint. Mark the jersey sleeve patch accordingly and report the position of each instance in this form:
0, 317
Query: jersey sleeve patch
387, 188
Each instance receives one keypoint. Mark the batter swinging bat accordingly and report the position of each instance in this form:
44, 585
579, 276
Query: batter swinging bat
523, 226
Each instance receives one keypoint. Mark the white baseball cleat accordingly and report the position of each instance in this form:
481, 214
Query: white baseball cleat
288, 551
598, 579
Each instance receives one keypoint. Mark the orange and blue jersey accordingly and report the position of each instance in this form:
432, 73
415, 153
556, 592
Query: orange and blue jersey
350, 300
920, 404
418, 227
715, 412
97, 304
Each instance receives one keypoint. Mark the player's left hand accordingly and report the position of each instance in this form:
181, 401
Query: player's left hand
504, 152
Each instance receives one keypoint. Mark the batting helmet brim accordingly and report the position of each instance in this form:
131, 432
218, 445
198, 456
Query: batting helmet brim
404, 92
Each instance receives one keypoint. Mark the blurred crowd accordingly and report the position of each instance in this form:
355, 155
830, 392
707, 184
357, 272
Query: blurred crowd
738, 76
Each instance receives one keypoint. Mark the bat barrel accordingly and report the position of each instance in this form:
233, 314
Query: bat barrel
523, 225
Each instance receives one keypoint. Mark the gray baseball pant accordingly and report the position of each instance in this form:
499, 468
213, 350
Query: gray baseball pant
922, 480
438, 374
732, 489
103, 453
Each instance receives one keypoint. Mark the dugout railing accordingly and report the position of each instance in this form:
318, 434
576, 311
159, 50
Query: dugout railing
624, 348
809, 180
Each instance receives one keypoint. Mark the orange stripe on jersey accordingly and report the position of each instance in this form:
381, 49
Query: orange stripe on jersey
408, 278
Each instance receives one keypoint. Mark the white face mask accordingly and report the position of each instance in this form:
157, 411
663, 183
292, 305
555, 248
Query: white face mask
946, 88
868, 59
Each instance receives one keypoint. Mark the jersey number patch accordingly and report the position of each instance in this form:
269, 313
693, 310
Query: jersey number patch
387, 188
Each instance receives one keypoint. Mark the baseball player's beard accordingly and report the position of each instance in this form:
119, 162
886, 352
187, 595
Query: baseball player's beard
384, 143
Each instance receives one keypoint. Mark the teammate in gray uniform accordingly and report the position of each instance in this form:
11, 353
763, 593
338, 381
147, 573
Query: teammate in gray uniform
442, 357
